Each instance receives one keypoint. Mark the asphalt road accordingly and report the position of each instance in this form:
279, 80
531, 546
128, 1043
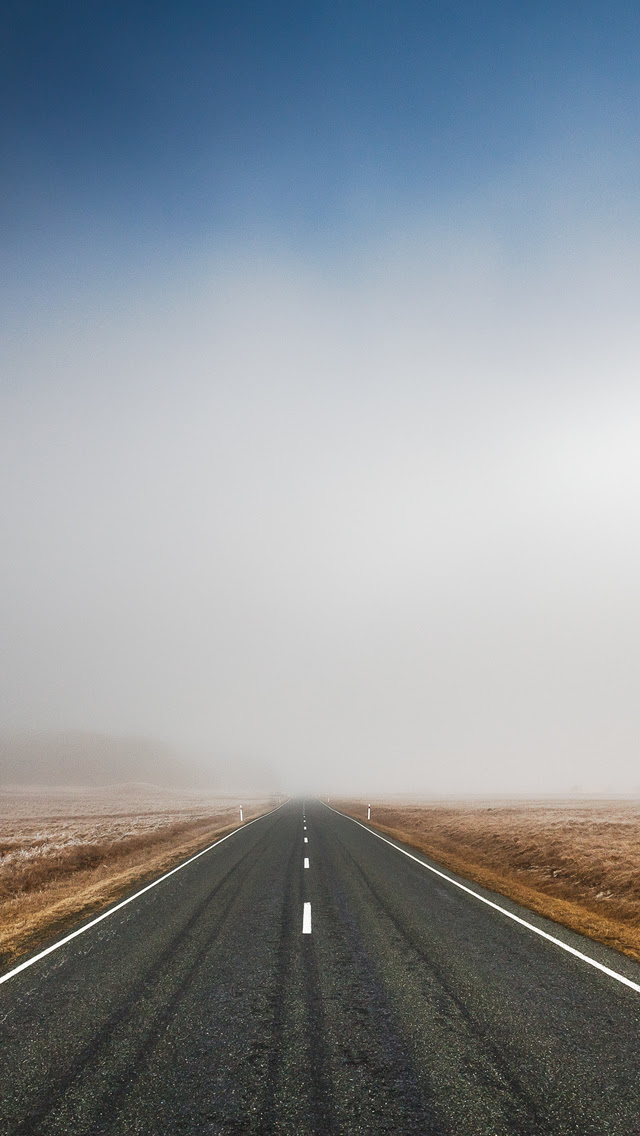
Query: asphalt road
410, 1007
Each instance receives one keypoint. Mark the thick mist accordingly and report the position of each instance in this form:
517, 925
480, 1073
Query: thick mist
369, 521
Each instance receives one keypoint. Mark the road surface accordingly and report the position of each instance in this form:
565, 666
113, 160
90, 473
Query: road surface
404, 1005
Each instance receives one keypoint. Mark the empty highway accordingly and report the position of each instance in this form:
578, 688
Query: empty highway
305, 977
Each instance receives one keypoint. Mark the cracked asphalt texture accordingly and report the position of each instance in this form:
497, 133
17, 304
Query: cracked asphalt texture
412, 1008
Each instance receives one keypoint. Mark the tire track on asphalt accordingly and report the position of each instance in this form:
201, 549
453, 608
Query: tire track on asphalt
171, 959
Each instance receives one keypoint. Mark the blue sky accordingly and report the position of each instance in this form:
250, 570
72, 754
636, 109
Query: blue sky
183, 121
319, 416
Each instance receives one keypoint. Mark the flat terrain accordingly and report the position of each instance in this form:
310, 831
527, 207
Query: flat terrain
577, 862
411, 1007
65, 853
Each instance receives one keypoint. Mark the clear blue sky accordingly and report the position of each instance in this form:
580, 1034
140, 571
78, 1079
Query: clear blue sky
312, 120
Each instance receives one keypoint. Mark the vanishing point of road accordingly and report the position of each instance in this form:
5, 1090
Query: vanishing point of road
304, 977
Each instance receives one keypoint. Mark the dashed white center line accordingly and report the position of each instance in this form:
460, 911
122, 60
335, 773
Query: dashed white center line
306, 839
306, 919
306, 861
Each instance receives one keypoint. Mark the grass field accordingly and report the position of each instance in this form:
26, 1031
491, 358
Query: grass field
65, 854
577, 863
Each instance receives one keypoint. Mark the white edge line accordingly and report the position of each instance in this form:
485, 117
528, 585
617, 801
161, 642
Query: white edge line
306, 919
496, 906
130, 899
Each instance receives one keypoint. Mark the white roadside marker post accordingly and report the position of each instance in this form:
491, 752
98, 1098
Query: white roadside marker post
368, 812
241, 816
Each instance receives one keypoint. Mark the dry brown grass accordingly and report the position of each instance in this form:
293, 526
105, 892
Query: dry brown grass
61, 858
576, 863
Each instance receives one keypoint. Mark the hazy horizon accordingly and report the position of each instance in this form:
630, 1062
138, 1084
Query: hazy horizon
52, 762
320, 415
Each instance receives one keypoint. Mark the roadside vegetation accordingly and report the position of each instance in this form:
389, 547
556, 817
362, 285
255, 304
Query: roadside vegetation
65, 855
577, 863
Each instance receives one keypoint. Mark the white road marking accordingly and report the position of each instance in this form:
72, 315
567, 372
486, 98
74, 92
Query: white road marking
306, 861
305, 827
306, 839
124, 902
306, 919
503, 910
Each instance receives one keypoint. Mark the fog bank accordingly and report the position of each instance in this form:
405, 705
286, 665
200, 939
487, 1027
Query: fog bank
368, 522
